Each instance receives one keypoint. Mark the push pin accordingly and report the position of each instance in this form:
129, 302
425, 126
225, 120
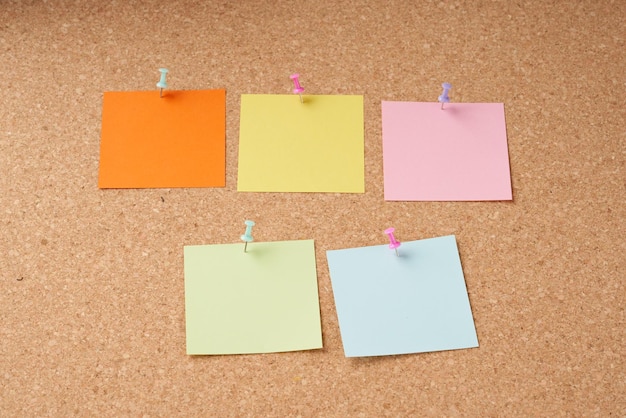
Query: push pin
393, 242
247, 236
444, 95
162, 84
297, 88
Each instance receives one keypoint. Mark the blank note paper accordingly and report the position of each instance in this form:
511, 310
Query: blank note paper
412, 303
261, 301
288, 146
174, 141
456, 154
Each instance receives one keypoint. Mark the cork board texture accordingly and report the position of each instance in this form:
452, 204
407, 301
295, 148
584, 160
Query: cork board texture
92, 296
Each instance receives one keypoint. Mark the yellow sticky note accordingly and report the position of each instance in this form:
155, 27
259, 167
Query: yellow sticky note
288, 146
262, 301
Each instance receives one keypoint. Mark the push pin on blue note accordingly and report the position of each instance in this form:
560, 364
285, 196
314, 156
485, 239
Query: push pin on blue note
297, 88
247, 236
393, 242
444, 95
162, 84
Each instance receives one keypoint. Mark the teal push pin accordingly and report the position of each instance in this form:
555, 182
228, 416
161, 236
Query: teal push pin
162, 84
247, 236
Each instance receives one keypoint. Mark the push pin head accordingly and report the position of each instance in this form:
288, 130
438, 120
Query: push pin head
393, 242
247, 236
444, 95
297, 88
162, 84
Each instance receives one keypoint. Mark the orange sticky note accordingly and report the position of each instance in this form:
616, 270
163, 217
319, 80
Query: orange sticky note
174, 141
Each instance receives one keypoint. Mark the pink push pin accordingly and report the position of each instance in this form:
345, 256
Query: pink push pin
297, 88
393, 242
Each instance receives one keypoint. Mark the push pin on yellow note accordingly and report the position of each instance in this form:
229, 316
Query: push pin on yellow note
297, 88
247, 236
162, 84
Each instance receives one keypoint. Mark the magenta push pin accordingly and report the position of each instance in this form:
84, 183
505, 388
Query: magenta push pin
297, 88
444, 95
393, 242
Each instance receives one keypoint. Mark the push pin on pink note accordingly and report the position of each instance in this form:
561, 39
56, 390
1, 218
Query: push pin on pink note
297, 88
393, 242
444, 95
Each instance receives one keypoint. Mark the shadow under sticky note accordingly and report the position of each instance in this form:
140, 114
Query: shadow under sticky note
288, 146
412, 303
262, 301
174, 141
456, 154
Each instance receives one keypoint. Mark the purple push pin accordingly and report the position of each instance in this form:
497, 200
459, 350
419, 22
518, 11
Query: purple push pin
444, 95
297, 88
393, 242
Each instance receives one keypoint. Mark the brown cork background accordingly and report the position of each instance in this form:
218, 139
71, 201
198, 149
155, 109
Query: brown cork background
91, 296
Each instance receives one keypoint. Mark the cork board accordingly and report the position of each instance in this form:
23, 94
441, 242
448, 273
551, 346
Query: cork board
92, 296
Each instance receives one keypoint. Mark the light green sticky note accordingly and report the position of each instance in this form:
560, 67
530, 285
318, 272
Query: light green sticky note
288, 146
262, 301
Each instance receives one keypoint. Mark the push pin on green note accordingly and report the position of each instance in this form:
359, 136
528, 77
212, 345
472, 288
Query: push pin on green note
162, 84
247, 236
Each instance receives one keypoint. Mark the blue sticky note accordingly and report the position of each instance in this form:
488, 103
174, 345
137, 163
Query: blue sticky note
412, 303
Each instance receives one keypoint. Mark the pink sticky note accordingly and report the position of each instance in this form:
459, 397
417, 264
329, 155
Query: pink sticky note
456, 154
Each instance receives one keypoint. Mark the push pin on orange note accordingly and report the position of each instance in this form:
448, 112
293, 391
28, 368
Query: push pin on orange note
297, 88
393, 242
444, 95
162, 84
247, 236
